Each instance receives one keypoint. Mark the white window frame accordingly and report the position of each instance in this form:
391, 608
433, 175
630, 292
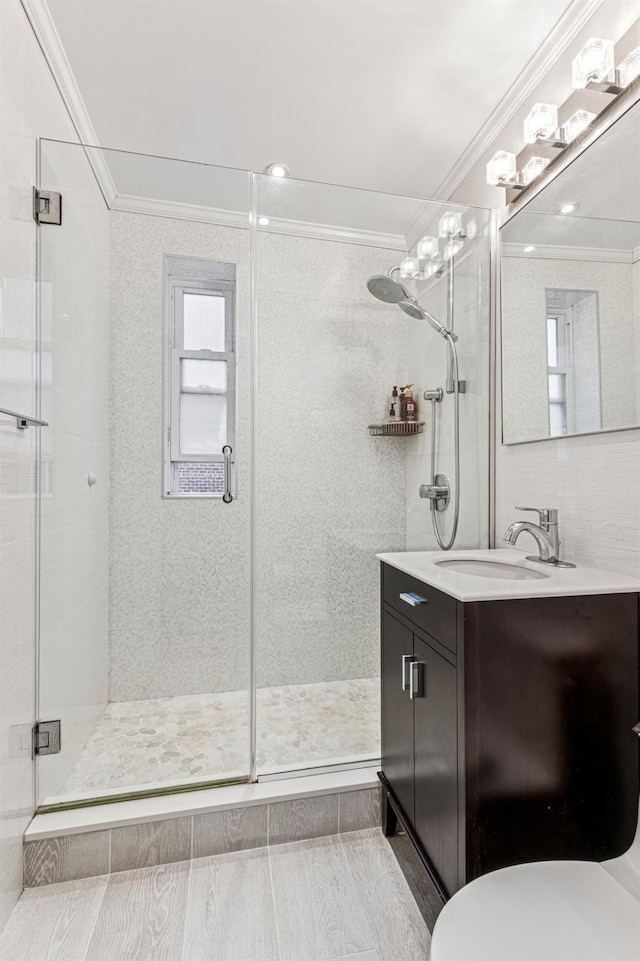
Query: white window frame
564, 327
175, 352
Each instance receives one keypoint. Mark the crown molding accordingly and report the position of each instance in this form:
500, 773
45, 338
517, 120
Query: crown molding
550, 252
635, 255
563, 33
128, 203
48, 39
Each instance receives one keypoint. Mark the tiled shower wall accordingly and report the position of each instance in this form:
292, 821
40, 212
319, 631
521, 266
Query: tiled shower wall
329, 496
427, 370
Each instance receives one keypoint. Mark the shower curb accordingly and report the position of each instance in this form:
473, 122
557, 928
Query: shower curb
65, 847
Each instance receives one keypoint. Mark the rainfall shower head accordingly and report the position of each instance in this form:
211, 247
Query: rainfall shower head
385, 288
415, 310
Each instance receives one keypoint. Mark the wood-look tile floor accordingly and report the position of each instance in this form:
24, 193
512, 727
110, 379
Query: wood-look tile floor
340, 898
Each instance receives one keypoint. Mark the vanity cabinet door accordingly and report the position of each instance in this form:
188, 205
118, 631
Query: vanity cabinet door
397, 712
436, 761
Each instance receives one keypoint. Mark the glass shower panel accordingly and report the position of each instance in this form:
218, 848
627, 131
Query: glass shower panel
144, 623
329, 495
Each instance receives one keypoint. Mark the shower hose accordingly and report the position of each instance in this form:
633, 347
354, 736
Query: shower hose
446, 546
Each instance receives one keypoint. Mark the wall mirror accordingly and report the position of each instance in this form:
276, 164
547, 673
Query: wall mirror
570, 296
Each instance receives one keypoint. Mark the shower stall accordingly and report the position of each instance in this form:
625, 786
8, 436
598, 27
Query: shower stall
211, 493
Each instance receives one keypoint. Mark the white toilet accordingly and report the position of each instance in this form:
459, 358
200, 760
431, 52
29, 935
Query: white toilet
546, 911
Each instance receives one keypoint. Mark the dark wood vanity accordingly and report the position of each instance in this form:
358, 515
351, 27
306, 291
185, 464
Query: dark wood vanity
517, 744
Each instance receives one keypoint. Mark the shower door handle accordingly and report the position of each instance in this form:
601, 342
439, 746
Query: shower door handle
227, 451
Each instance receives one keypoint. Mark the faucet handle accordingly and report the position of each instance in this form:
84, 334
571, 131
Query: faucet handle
548, 515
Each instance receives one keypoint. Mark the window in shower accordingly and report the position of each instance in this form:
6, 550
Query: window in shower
200, 375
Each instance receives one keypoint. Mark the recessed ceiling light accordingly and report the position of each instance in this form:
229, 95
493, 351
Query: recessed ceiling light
263, 221
528, 249
569, 208
277, 170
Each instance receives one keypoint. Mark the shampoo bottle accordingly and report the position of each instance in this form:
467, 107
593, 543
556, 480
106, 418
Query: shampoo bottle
411, 404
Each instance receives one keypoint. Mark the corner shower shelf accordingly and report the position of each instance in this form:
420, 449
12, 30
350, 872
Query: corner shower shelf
402, 429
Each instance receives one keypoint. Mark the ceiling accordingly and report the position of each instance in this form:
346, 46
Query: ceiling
381, 94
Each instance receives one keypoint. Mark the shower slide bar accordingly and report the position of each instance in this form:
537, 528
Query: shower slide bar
23, 421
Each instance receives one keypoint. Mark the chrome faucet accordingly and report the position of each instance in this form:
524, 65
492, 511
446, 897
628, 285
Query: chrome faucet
546, 535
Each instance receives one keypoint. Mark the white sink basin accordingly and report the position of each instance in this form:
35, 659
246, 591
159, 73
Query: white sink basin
482, 568
503, 574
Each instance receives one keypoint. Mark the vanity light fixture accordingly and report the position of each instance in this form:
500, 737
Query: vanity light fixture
501, 170
471, 229
578, 122
594, 69
450, 224
629, 69
532, 168
432, 268
593, 63
452, 248
427, 247
409, 268
263, 221
277, 170
569, 208
541, 122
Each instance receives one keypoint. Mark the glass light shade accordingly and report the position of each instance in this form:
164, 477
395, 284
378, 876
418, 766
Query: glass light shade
427, 247
541, 121
471, 229
430, 269
630, 67
452, 248
576, 124
409, 267
594, 62
502, 166
450, 224
532, 168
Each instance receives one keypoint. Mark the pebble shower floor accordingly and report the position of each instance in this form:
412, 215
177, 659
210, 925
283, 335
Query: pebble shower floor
205, 736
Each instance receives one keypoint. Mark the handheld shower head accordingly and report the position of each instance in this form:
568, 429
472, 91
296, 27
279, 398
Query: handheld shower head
411, 307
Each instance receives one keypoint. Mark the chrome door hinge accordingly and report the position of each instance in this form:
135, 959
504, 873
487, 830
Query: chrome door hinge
46, 737
47, 206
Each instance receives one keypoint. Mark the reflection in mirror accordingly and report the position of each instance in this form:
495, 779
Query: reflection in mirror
570, 319
573, 359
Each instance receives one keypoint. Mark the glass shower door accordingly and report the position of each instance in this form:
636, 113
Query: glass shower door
144, 481
330, 492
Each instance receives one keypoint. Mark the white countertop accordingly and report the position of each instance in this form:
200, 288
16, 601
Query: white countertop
470, 587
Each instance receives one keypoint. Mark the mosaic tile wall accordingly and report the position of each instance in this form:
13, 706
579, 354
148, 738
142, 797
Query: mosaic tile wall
329, 496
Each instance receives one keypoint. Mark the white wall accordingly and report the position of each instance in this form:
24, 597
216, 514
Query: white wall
29, 107
329, 496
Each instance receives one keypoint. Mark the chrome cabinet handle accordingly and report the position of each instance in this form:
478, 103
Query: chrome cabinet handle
227, 497
413, 599
416, 679
406, 661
